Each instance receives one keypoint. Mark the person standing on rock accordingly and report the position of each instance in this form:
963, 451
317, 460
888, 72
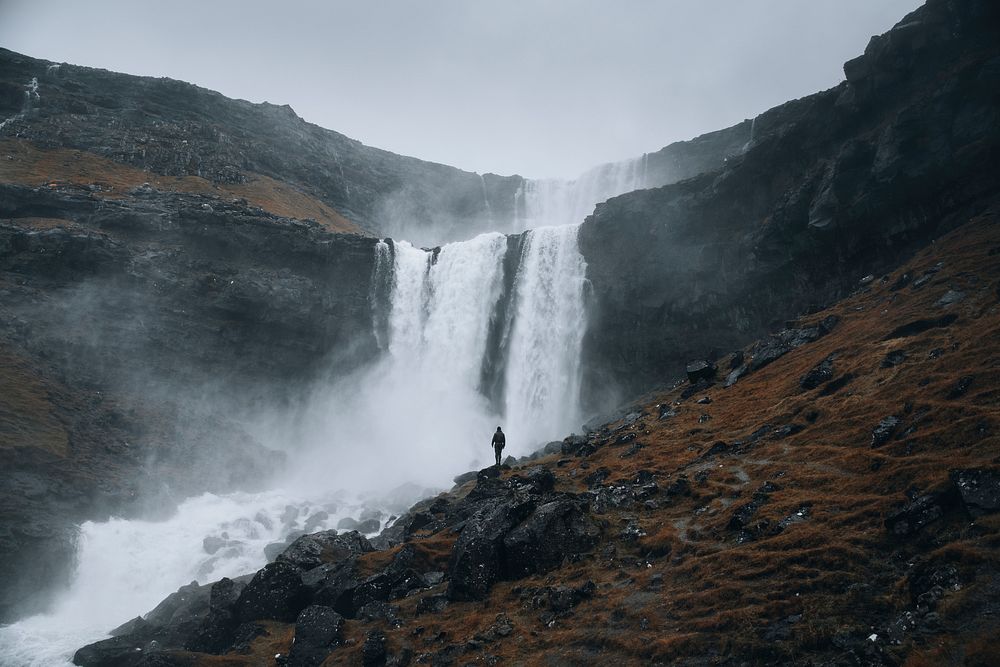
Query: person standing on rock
499, 440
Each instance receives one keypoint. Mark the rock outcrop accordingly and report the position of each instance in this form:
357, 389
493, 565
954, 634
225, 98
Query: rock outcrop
831, 188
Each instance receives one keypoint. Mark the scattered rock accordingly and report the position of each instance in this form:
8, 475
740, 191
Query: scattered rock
819, 374
276, 592
920, 512
317, 634
309, 551
979, 490
373, 651
884, 430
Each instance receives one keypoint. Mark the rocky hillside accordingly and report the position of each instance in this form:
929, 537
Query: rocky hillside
825, 496
832, 187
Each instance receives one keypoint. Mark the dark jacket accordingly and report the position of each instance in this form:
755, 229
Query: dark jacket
499, 439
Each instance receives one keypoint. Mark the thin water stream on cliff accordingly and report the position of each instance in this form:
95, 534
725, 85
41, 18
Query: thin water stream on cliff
478, 333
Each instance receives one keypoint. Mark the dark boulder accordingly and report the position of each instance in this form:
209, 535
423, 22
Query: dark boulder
373, 651
700, 370
310, 551
477, 559
554, 531
979, 490
921, 511
122, 651
317, 634
276, 592
884, 430
781, 343
217, 630
818, 374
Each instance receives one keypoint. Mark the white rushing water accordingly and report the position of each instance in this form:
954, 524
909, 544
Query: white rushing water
417, 415
559, 202
125, 568
543, 365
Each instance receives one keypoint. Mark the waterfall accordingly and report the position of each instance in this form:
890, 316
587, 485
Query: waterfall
557, 202
543, 369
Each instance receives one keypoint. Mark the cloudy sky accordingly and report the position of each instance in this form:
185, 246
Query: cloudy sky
545, 88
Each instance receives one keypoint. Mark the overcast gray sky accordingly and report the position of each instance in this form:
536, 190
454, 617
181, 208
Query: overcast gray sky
543, 88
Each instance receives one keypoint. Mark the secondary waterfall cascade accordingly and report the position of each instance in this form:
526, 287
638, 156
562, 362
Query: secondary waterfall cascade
558, 202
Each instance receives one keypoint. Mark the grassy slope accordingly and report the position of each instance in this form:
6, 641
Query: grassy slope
24, 163
687, 591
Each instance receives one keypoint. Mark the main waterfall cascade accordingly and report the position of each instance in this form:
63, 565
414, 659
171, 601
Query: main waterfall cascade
476, 333
443, 308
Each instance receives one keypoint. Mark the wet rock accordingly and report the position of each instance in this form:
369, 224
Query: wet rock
554, 531
309, 551
884, 430
477, 557
373, 651
919, 326
276, 592
979, 489
920, 512
216, 632
715, 450
123, 651
333, 585
678, 487
379, 610
780, 344
818, 374
700, 370
317, 634
181, 614
625, 438
597, 477
432, 604
960, 387
735, 375
704, 400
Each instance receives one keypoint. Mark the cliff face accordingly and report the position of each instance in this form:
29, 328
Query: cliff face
135, 331
831, 188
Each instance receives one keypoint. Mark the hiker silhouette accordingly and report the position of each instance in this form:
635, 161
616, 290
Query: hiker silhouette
499, 440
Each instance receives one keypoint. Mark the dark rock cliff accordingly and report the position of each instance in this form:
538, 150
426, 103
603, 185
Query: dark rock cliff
831, 188
133, 333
